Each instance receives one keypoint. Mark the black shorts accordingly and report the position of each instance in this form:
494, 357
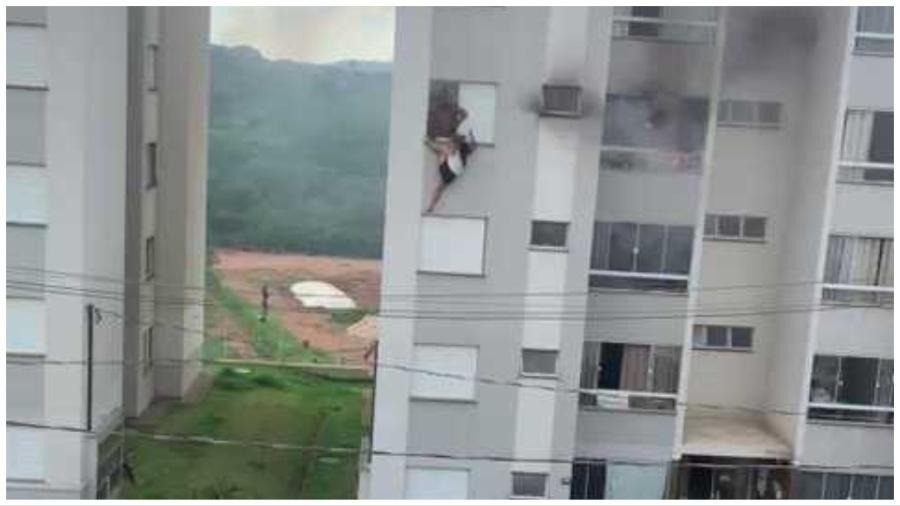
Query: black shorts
447, 175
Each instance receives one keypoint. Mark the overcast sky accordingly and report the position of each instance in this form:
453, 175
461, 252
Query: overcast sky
308, 34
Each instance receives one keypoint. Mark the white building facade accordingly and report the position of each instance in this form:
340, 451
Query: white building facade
106, 161
668, 266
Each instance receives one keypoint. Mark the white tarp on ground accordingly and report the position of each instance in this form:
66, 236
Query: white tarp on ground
321, 294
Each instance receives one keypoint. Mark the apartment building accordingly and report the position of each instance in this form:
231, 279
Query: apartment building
106, 161
667, 270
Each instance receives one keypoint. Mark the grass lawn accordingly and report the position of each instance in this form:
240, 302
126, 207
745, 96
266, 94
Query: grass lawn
261, 405
270, 339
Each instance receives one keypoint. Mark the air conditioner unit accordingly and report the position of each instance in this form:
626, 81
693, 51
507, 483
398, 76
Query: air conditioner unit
561, 100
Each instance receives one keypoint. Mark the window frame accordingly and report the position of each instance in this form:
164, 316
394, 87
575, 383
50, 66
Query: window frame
152, 150
873, 295
621, 399
868, 35
864, 171
725, 119
149, 258
822, 476
147, 349
839, 408
471, 384
549, 247
533, 374
446, 271
703, 330
711, 228
677, 280
481, 139
514, 474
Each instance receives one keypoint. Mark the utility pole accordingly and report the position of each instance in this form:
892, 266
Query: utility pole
90, 365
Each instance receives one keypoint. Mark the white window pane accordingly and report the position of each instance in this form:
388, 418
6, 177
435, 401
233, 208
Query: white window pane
26, 195
452, 245
24, 454
624, 481
26, 56
426, 483
451, 360
479, 100
26, 325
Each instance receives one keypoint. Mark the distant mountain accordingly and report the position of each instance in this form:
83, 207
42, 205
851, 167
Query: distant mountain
297, 153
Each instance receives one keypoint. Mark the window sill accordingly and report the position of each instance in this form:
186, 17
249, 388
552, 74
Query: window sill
539, 375
28, 87
637, 291
638, 411
36, 355
850, 423
448, 400
716, 238
548, 249
751, 126
723, 348
860, 52
452, 274
527, 498
877, 184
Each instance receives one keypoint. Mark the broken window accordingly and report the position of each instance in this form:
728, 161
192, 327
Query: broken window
657, 121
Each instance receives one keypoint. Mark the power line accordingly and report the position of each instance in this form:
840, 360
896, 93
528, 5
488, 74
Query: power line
526, 314
355, 452
441, 295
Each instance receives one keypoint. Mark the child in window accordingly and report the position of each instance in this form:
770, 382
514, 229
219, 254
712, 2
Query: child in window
453, 157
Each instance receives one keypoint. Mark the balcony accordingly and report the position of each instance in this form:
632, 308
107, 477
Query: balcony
637, 159
686, 25
856, 295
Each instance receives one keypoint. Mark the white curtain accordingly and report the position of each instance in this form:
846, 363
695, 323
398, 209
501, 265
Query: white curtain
886, 269
629, 481
857, 135
635, 366
852, 260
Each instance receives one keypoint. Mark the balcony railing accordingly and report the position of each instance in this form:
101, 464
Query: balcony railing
863, 295
628, 400
647, 281
633, 159
866, 173
831, 411
874, 43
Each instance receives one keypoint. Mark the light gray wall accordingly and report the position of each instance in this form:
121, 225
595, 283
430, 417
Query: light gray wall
25, 113
848, 445
183, 78
624, 435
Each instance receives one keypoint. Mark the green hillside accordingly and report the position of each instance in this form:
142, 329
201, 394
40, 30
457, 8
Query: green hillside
297, 154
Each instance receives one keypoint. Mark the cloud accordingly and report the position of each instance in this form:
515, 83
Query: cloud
308, 34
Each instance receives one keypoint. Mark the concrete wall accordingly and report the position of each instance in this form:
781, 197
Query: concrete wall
858, 444
181, 195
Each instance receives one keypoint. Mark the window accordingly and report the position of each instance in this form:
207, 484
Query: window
665, 24
599, 480
529, 484
752, 114
539, 362
436, 483
25, 114
152, 67
25, 251
816, 485
26, 195
726, 226
875, 31
867, 149
24, 454
27, 56
550, 234
26, 325
588, 480
151, 165
631, 368
706, 478
655, 121
840, 383
721, 337
477, 99
658, 255
150, 258
455, 365
853, 264
452, 245
561, 100
147, 350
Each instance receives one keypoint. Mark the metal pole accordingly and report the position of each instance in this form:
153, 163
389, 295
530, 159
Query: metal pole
90, 366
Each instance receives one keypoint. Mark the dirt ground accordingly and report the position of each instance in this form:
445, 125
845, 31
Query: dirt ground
245, 272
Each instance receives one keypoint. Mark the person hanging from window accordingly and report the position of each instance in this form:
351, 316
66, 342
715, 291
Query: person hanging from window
452, 160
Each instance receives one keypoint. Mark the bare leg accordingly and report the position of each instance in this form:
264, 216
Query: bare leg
436, 196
